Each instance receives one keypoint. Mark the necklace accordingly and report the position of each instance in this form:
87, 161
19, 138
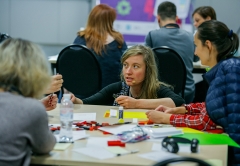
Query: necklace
130, 94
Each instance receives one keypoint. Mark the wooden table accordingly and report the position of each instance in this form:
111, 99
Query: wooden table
69, 157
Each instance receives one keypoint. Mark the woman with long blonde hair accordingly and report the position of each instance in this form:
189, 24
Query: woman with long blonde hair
139, 87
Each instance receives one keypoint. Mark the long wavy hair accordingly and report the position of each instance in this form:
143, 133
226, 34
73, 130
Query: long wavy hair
150, 84
99, 25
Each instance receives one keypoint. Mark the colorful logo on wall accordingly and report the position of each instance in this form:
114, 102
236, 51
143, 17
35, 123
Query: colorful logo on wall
123, 7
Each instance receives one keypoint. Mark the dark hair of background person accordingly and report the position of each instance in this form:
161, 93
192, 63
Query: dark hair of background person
99, 25
205, 11
3, 36
224, 39
167, 10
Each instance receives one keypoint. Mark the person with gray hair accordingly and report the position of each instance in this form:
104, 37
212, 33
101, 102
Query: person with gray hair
50, 101
24, 121
139, 87
172, 36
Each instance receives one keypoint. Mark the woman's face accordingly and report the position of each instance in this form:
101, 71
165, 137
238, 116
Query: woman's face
198, 20
134, 69
201, 51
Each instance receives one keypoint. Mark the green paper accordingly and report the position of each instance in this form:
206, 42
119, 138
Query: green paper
210, 139
215, 162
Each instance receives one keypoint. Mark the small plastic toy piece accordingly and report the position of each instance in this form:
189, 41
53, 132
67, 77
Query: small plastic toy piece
116, 143
120, 121
105, 124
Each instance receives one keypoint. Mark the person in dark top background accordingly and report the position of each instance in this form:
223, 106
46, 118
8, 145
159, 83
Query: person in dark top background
107, 44
139, 87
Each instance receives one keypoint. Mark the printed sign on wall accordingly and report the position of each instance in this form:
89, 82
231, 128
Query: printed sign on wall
135, 18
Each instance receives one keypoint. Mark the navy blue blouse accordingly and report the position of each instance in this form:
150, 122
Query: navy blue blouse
110, 60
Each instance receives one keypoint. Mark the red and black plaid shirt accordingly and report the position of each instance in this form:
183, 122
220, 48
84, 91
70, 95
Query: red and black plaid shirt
196, 118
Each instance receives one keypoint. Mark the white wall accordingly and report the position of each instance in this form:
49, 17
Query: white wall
53, 23
50, 23
228, 11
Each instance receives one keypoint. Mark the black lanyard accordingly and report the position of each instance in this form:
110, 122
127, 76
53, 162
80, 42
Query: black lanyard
171, 25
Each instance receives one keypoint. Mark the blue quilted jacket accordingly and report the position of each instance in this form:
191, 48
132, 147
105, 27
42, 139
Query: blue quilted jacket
223, 100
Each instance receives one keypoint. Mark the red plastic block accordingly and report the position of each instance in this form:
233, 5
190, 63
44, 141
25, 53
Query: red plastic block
116, 143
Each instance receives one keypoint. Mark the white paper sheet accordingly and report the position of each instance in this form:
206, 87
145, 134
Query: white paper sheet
92, 152
99, 141
154, 139
76, 135
84, 116
116, 129
158, 155
165, 131
113, 113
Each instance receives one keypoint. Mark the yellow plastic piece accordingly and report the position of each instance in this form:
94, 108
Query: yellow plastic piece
120, 121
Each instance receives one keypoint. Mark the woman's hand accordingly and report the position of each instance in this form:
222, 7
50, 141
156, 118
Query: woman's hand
176, 110
56, 84
75, 100
126, 101
158, 117
50, 102
165, 109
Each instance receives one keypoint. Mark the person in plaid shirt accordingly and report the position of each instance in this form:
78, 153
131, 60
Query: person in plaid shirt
193, 115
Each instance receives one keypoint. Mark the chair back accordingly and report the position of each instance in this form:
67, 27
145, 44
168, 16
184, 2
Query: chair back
171, 68
178, 159
80, 70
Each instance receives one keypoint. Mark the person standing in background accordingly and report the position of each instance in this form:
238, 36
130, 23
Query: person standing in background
107, 44
24, 121
172, 36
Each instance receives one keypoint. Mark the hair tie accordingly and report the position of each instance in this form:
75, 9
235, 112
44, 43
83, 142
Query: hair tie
230, 34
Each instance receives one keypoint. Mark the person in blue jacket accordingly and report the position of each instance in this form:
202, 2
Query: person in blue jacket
215, 46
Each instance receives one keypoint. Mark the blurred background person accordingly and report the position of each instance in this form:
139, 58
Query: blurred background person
107, 44
171, 35
203, 13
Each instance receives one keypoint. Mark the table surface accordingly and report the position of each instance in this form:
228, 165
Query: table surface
69, 157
